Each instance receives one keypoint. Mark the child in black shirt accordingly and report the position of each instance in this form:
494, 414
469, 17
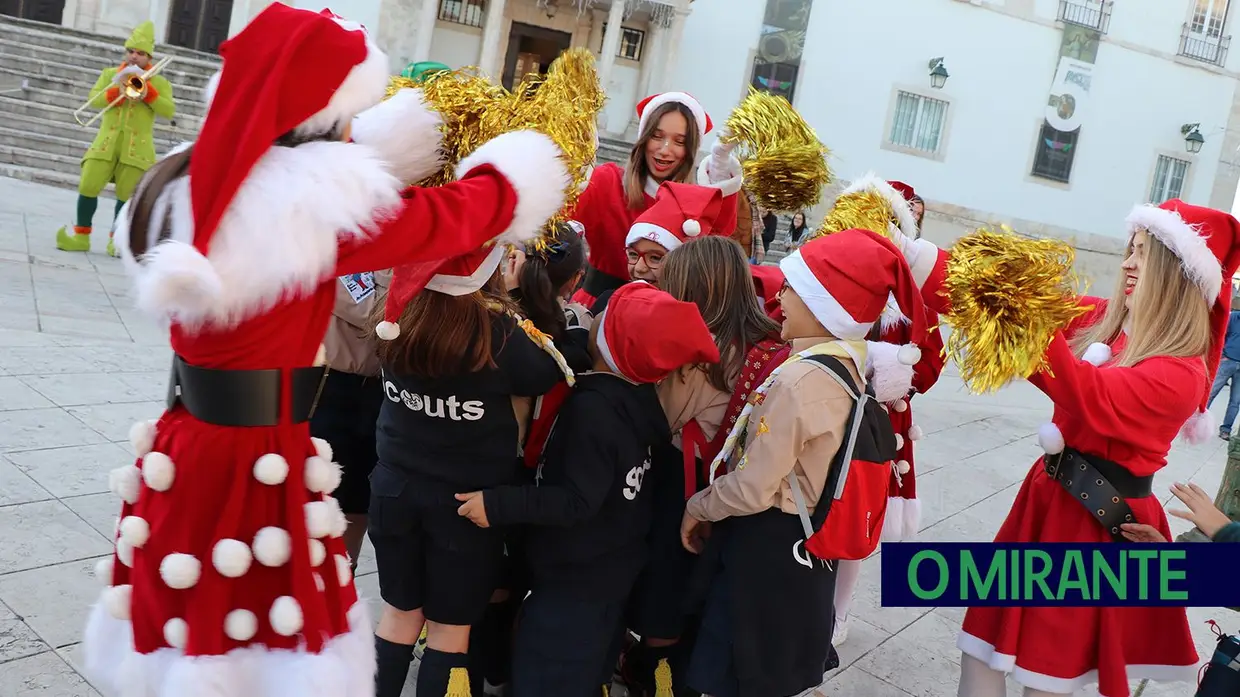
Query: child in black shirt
453, 358
588, 510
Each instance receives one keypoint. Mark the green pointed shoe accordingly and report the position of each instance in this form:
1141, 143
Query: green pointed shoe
112, 252
76, 241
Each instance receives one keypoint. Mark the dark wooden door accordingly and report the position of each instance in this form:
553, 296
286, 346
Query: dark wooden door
199, 24
49, 11
527, 38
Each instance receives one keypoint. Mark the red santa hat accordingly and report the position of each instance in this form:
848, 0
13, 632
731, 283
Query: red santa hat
680, 212
460, 275
645, 334
845, 279
651, 104
904, 190
893, 193
1207, 243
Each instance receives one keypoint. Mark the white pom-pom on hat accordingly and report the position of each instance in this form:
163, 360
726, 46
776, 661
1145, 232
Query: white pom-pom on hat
285, 616
320, 520
1050, 438
142, 436
158, 471
388, 331
118, 600
103, 570
1097, 354
909, 354
272, 546
240, 625
322, 476
180, 571
915, 433
271, 469
176, 632
135, 531
322, 448
899, 406
691, 227
231, 558
903, 467
126, 482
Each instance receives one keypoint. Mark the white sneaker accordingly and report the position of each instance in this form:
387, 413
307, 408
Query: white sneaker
840, 635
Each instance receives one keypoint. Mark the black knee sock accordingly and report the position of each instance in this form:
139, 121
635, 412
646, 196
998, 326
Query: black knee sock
490, 646
119, 205
499, 664
392, 662
434, 671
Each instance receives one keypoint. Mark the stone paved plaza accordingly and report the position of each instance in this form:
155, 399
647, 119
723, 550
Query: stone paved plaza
78, 365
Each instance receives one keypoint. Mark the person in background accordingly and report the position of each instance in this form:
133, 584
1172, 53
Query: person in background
919, 211
748, 232
349, 404
797, 228
1201, 512
1228, 371
770, 226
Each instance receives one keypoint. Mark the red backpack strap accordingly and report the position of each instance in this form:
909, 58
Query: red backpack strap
546, 408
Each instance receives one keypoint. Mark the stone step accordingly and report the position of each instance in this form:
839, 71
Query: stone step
70, 165
60, 92
70, 148
44, 176
186, 83
85, 42
19, 55
59, 124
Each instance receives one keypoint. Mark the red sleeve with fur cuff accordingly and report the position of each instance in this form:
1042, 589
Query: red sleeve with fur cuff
151, 93
111, 94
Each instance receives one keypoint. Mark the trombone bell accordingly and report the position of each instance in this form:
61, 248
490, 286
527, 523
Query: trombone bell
132, 88
135, 86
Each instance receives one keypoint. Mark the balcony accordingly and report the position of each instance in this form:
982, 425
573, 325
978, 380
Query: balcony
1204, 47
1086, 13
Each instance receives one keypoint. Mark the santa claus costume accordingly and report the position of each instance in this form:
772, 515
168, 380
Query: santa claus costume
230, 577
1116, 422
603, 208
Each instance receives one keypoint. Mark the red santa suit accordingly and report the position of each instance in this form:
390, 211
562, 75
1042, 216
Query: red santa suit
230, 576
603, 208
1129, 416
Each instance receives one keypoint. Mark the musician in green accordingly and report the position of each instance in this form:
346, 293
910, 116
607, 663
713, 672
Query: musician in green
124, 147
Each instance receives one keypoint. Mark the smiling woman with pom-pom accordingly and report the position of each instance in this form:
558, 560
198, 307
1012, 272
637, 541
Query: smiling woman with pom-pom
1126, 375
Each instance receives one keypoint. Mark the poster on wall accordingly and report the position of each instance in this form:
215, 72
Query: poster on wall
1068, 103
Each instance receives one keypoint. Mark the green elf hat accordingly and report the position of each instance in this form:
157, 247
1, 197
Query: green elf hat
143, 38
422, 69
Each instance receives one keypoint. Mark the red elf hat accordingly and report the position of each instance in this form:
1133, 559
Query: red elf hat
904, 189
845, 279
647, 107
460, 275
1207, 243
680, 212
645, 334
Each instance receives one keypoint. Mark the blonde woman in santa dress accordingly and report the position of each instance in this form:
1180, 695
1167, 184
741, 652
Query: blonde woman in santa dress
1125, 379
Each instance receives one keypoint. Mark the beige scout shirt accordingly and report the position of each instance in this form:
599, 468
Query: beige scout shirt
806, 412
686, 395
349, 343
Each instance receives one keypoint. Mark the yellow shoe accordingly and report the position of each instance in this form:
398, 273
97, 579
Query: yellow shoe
112, 252
458, 683
76, 241
663, 680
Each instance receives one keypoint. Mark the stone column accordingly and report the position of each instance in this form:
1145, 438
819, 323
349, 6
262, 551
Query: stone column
611, 45
652, 65
671, 54
488, 60
427, 14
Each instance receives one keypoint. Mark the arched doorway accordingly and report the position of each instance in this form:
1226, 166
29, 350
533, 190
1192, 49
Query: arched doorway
198, 24
50, 11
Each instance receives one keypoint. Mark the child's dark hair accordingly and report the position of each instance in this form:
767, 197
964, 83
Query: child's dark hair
544, 276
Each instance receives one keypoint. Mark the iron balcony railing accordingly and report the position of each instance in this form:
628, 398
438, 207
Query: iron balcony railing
1204, 47
1086, 13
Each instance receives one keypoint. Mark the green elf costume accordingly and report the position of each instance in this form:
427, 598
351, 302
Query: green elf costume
124, 148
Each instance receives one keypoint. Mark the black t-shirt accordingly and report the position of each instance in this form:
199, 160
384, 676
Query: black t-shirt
462, 430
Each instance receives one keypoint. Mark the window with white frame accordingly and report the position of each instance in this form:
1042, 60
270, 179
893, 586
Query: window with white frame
1169, 176
467, 12
918, 122
1208, 18
631, 42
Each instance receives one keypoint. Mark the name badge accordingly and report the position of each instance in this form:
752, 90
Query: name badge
359, 285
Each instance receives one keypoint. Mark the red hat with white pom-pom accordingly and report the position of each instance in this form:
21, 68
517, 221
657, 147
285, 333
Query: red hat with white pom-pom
680, 213
845, 279
645, 334
460, 275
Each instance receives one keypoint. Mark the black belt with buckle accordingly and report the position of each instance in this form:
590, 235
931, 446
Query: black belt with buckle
1101, 486
242, 397
596, 282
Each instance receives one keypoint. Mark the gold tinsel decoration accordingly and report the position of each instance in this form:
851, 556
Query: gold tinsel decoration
564, 104
1009, 295
866, 210
784, 163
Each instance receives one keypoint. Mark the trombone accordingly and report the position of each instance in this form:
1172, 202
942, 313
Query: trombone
132, 88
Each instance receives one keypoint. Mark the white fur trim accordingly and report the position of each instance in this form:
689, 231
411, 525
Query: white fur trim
900, 446
180, 571
603, 349
339, 522
1199, 428
652, 232
240, 625
343, 668
406, 132
532, 164
985, 652
921, 256
827, 310
903, 519
124, 553
915, 433
158, 471
899, 206
271, 469
892, 316
135, 531
142, 436
176, 632
318, 518
464, 285
318, 552
909, 354
362, 88
322, 477
344, 572
322, 448
387, 331
699, 113
1097, 354
729, 181
1186, 242
231, 558
119, 601
891, 379
1050, 438
126, 482
277, 239
103, 570
272, 546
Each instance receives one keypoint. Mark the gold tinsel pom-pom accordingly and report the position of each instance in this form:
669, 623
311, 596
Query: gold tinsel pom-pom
1009, 296
785, 165
564, 104
864, 210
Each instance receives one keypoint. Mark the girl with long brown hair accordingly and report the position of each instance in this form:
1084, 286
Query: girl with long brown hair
671, 127
1125, 379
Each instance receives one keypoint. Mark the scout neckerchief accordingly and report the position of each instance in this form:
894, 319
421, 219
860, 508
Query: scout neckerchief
854, 351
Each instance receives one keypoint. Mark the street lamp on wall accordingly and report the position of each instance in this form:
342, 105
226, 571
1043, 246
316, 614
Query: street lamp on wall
938, 74
1193, 140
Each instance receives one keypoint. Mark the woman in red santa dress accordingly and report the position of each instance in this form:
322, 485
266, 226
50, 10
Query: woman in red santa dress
1125, 378
230, 576
670, 130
